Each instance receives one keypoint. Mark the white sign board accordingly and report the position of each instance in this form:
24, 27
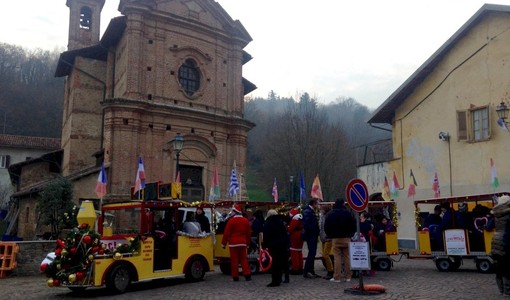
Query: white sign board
455, 240
359, 255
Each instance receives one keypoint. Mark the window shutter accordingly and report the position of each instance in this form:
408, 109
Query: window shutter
462, 126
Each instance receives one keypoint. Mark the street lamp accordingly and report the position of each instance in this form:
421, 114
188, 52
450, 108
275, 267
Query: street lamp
5, 120
178, 143
291, 188
502, 111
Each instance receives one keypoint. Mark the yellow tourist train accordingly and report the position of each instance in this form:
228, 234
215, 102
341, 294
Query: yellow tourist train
135, 241
464, 238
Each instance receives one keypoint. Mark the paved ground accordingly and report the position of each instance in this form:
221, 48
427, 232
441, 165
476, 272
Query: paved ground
409, 279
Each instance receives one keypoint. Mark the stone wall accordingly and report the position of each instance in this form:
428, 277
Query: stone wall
30, 256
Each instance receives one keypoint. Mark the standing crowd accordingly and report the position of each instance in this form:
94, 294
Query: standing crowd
283, 235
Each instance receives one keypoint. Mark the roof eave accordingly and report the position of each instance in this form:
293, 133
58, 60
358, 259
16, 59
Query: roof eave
385, 113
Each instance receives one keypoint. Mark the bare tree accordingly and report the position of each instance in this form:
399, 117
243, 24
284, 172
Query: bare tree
301, 139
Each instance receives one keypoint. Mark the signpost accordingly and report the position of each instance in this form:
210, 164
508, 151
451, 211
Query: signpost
356, 194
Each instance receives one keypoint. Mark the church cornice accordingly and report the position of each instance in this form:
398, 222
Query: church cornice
216, 115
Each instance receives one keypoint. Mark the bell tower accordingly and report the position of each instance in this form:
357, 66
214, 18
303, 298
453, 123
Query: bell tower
84, 23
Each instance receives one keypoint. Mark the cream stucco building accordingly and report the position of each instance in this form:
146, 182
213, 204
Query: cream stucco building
443, 119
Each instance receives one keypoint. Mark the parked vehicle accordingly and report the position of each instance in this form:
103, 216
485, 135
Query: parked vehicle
466, 238
137, 241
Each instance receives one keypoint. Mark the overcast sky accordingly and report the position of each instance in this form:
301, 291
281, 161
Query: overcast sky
329, 48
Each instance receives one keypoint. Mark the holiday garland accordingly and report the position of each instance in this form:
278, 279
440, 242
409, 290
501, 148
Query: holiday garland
75, 254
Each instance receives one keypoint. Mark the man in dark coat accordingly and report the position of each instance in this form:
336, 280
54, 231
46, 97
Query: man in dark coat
310, 236
501, 244
276, 239
340, 226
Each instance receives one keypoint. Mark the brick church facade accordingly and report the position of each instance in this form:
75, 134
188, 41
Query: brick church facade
160, 69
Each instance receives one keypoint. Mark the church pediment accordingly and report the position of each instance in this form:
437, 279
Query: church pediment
207, 13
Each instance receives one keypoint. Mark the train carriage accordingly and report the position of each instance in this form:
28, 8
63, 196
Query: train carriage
466, 235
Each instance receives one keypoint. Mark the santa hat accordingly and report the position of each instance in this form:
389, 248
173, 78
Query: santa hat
503, 199
297, 217
293, 212
237, 208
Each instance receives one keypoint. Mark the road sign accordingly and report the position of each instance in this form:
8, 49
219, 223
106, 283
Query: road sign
357, 195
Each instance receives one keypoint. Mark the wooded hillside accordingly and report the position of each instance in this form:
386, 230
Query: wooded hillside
291, 137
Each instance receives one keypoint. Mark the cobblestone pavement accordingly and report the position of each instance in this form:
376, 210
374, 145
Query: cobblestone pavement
408, 279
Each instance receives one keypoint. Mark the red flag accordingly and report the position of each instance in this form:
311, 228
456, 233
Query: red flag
412, 185
395, 181
316, 189
214, 192
140, 177
435, 187
275, 191
178, 177
386, 190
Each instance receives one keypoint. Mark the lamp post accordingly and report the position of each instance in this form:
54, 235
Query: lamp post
502, 111
178, 143
291, 188
5, 120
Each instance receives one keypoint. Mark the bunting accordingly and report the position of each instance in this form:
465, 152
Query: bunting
214, 192
386, 190
395, 186
233, 187
502, 124
302, 192
412, 185
274, 192
435, 187
140, 177
494, 176
316, 189
101, 183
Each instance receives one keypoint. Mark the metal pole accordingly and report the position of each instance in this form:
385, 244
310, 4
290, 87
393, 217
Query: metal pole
5, 121
291, 190
177, 164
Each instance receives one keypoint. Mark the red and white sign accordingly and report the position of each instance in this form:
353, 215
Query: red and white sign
357, 195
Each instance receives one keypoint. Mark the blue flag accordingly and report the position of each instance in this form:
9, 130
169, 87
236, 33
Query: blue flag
302, 192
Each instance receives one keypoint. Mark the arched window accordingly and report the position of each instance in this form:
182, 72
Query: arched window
189, 77
85, 17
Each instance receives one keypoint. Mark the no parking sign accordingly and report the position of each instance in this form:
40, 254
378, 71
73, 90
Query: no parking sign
357, 195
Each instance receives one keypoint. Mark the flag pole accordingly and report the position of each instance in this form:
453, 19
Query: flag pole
240, 186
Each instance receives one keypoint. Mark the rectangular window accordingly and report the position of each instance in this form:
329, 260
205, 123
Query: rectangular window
480, 124
4, 161
473, 125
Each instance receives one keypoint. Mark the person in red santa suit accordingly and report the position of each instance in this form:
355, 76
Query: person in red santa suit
295, 229
238, 234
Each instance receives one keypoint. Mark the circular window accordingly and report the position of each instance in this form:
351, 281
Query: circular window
189, 77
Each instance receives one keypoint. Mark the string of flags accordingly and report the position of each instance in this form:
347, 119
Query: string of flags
390, 190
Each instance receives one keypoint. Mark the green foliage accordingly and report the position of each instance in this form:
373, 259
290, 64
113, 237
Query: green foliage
56, 207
